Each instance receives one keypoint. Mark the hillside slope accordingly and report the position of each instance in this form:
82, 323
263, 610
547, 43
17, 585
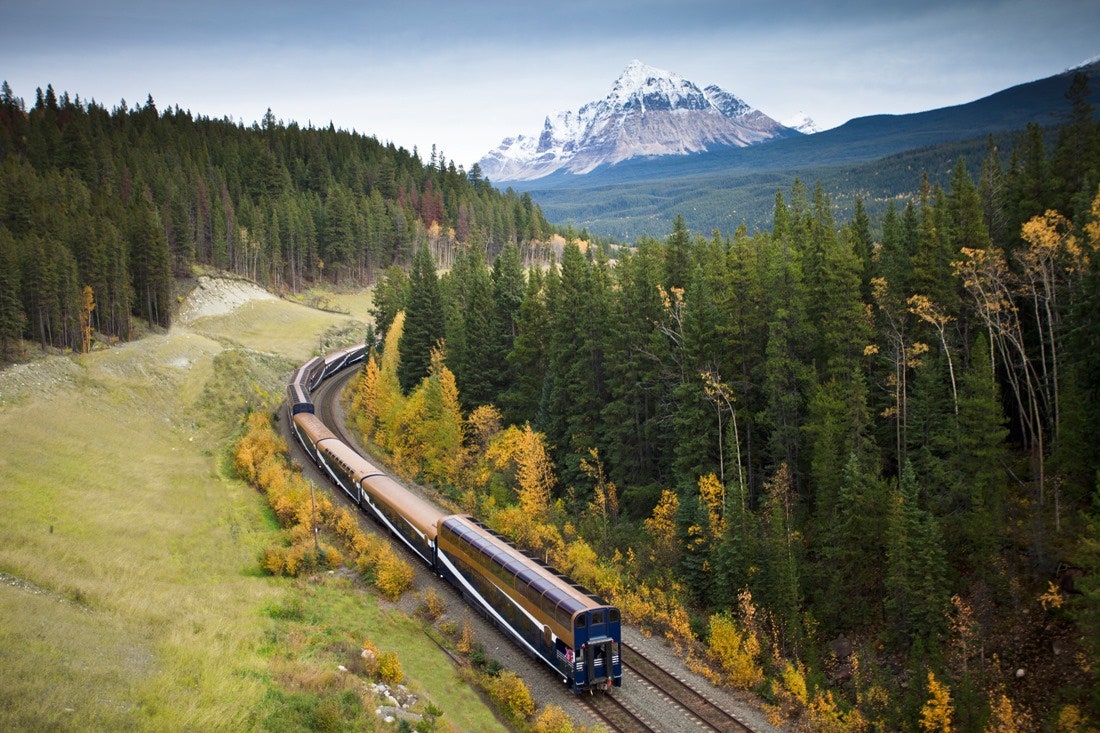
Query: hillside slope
130, 585
644, 196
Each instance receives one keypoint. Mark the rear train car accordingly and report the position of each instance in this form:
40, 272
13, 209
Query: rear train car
554, 619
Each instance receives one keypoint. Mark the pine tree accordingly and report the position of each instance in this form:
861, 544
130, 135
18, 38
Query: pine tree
637, 361
1085, 607
469, 307
978, 461
786, 374
528, 358
12, 317
508, 288
831, 269
968, 221
858, 235
852, 542
390, 295
150, 266
424, 324
575, 383
779, 581
992, 192
931, 273
736, 556
678, 256
916, 569
693, 536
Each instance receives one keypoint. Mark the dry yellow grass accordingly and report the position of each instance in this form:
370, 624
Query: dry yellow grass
274, 326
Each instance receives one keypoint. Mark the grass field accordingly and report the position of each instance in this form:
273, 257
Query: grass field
130, 590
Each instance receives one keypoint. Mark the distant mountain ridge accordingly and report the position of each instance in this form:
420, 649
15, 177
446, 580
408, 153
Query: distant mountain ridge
728, 186
648, 112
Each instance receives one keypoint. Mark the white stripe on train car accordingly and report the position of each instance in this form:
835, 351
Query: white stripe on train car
493, 612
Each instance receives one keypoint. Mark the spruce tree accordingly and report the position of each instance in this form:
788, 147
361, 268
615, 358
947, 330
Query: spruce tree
978, 463
852, 539
527, 361
916, 566
637, 362
470, 335
424, 324
508, 289
12, 317
575, 383
678, 255
390, 296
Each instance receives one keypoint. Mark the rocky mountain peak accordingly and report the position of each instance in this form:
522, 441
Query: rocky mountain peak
648, 112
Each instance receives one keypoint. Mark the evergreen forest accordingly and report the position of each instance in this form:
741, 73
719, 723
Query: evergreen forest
869, 448
101, 210
855, 461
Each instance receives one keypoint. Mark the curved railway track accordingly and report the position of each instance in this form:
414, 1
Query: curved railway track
326, 395
613, 713
700, 712
697, 706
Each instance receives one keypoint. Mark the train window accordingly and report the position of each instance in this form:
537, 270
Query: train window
613, 615
581, 621
597, 617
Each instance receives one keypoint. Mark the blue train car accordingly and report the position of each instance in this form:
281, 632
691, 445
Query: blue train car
554, 619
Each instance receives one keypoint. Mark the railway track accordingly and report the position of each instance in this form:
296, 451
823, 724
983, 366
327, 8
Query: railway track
706, 713
614, 713
326, 396
699, 711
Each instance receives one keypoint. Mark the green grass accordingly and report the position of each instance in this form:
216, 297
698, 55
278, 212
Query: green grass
325, 624
130, 590
144, 555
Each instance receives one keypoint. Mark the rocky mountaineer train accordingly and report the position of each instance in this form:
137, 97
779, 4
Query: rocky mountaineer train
552, 618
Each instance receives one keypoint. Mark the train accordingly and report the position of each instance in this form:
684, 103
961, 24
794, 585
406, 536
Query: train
553, 619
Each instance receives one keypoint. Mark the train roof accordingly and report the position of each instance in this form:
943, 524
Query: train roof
542, 578
418, 512
303, 371
356, 466
313, 427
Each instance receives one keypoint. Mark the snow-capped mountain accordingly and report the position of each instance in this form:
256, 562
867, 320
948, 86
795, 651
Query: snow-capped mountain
649, 112
801, 122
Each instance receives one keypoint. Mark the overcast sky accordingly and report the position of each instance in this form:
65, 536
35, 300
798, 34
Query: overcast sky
464, 75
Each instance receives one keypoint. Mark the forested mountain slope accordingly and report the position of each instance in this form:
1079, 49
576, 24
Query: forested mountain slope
120, 201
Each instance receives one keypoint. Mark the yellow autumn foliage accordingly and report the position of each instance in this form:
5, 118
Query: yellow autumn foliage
553, 719
935, 716
261, 457
661, 527
512, 695
712, 495
389, 668
1004, 717
736, 651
